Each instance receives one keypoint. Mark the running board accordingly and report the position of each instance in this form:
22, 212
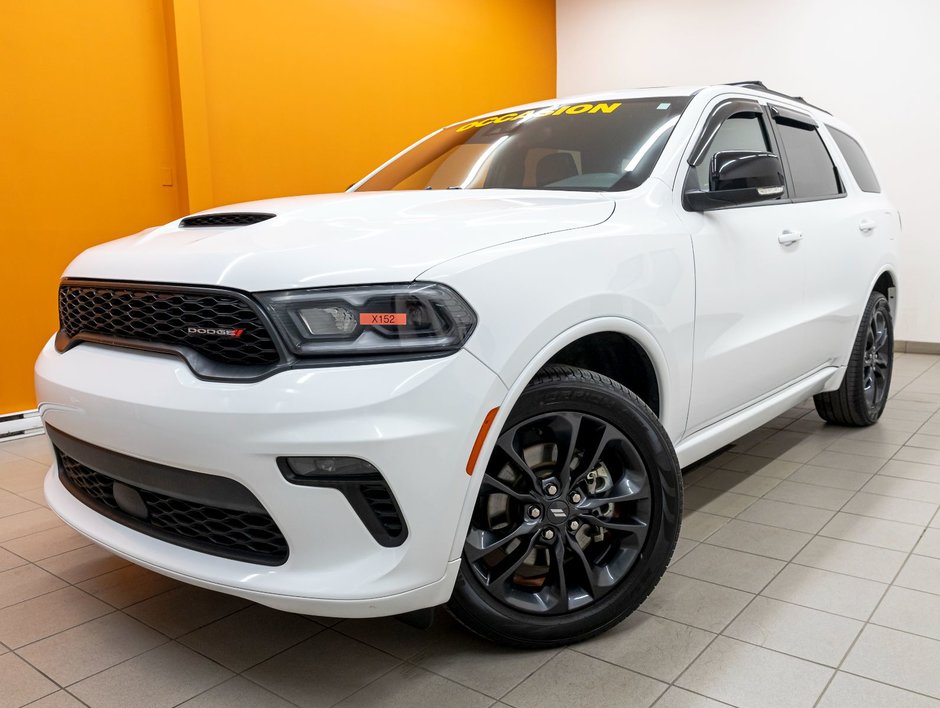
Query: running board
729, 429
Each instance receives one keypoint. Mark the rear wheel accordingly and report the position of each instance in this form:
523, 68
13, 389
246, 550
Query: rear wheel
577, 516
861, 398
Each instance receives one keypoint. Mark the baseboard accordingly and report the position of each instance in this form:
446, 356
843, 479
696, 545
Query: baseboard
906, 347
20, 425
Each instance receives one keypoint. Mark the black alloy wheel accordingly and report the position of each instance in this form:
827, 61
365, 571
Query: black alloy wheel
577, 514
562, 515
861, 398
876, 373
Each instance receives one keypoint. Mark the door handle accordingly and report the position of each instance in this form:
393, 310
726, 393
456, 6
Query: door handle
788, 238
866, 226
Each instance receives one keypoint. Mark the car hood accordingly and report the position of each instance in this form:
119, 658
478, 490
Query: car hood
339, 239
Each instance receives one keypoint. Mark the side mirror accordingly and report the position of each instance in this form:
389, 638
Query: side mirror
738, 177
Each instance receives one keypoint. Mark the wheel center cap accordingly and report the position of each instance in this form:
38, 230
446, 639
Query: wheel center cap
557, 512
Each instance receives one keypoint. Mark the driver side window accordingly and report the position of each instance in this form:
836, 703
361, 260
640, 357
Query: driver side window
741, 131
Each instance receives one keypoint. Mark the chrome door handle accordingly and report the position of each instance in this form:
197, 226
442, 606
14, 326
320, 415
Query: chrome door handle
866, 226
788, 238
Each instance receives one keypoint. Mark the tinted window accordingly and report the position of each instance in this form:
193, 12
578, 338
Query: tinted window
742, 131
609, 145
857, 160
812, 173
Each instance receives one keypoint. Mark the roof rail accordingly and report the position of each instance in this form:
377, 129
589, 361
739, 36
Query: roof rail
759, 86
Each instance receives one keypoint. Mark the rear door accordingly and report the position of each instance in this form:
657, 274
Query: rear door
834, 229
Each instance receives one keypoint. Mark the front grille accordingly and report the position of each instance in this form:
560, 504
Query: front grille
165, 316
250, 536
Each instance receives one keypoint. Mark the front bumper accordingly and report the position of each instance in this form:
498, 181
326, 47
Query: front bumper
414, 421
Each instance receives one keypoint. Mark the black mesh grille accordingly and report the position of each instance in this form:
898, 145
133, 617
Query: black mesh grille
166, 317
244, 218
242, 535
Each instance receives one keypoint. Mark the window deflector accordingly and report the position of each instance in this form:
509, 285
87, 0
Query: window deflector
718, 116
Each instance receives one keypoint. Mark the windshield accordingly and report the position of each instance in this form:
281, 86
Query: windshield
609, 146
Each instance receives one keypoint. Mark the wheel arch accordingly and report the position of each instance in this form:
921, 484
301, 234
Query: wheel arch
637, 336
886, 283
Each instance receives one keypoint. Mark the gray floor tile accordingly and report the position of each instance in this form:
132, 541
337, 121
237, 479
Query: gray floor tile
649, 645
20, 682
830, 477
267, 632
714, 501
911, 470
84, 650
810, 495
59, 699
867, 448
677, 697
896, 658
920, 573
396, 638
237, 692
845, 461
918, 454
24, 583
322, 670
809, 634
11, 504
739, 482
891, 508
695, 602
184, 609
699, 525
83, 564
780, 469
931, 442
746, 675
827, 591
407, 685
26, 523
794, 517
733, 569
873, 532
165, 676
910, 611
127, 585
903, 488
929, 544
10, 560
47, 543
849, 691
48, 614
760, 539
571, 679
879, 564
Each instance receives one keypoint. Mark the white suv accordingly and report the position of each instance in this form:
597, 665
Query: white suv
473, 378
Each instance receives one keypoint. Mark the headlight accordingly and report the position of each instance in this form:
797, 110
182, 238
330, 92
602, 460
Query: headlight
418, 318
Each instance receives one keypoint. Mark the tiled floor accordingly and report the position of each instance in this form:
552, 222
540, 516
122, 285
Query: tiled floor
808, 574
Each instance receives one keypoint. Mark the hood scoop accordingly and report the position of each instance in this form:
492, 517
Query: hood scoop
231, 218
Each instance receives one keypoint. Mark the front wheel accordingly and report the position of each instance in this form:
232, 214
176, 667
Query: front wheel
861, 398
577, 516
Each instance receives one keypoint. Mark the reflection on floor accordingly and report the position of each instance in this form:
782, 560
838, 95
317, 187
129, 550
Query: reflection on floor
808, 571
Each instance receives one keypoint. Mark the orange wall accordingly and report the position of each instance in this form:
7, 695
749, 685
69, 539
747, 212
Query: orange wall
104, 100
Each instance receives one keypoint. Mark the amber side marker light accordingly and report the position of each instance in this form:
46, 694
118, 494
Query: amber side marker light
481, 436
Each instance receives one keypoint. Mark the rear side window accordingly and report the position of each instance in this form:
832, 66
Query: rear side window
812, 171
857, 161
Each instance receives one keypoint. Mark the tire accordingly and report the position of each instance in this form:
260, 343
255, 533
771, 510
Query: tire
617, 497
861, 398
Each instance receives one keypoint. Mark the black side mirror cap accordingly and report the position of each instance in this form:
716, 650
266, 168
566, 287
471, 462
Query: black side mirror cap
738, 177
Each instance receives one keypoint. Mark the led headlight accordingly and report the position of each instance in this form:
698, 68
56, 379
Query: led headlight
419, 318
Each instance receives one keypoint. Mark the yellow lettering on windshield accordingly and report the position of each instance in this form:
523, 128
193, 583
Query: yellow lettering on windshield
578, 109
